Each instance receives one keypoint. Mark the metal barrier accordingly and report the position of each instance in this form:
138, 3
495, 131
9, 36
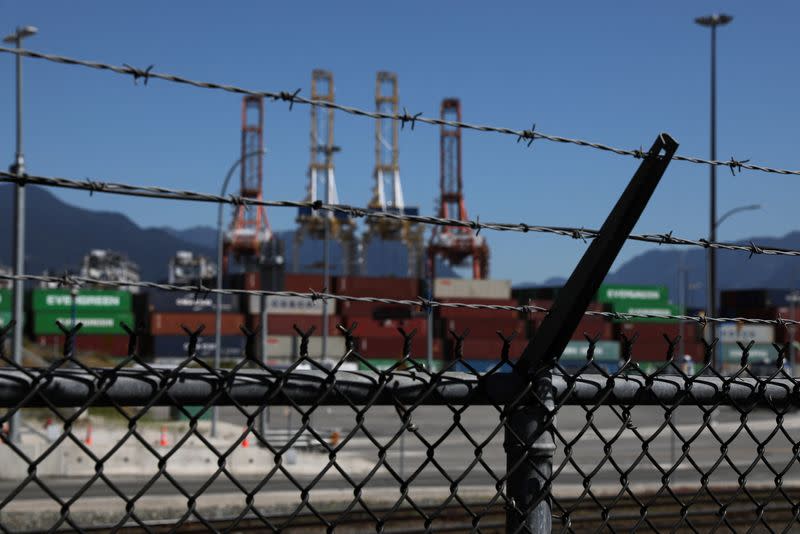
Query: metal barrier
608, 450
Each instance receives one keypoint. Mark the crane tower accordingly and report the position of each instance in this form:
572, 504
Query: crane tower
321, 180
455, 243
250, 231
387, 194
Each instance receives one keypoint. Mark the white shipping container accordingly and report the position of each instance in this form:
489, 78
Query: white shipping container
455, 288
282, 305
289, 347
733, 332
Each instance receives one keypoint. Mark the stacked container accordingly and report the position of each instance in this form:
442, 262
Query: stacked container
5, 307
101, 313
284, 313
378, 338
482, 347
170, 312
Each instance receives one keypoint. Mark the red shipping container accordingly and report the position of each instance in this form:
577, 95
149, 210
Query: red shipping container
484, 328
457, 313
378, 286
303, 283
110, 345
170, 323
377, 310
369, 328
283, 325
654, 332
483, 348
377, 348
655, 351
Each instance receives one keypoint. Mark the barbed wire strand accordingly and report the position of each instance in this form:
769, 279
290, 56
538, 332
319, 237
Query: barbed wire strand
293, 97
116, 188
71, 281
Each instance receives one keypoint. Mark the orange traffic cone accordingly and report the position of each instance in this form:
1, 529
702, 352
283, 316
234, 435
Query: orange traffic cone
164, 442
246, 440
89, 438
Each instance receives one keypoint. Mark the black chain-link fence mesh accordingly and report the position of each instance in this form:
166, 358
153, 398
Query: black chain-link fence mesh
319, 446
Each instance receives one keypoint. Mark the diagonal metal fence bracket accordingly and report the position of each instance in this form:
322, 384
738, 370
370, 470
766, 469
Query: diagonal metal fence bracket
528, 440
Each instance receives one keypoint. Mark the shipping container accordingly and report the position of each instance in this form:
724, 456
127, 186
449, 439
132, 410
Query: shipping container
162, 301
369, 328
733, 332
480, 366
378, 310
482, 348
754, 298
378, 286
643, 294
176, 346
655, 331
382, 364
283, 325
94, 322
101, 345
573, 367
288, 347
657, 350
458, 288
456, 313
284, 305
604, 351
482, 328
5, 317
94, 300
592, 325
5, 300
642, 308
760, 353
302, 282
169, 323
384, 347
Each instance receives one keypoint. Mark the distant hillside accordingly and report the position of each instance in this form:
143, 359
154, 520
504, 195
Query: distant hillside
735, 270
58, 236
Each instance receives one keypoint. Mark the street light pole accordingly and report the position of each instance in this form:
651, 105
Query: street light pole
18, 168
712, 21
218, 311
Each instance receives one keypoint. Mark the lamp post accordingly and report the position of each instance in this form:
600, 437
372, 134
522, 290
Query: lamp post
18, 168
218, 311
712, 21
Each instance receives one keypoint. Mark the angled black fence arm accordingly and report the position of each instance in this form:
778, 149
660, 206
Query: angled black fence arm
528, 440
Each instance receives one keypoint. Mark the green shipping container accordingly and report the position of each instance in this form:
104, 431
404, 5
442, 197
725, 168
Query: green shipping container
759, 353
613, 293
96, 300
5, 317
604, 351
93, 322
5, 300
646, 308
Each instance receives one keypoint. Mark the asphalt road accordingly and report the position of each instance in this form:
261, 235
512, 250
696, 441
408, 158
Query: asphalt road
452, 437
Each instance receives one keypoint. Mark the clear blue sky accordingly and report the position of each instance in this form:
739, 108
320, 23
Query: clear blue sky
618, 73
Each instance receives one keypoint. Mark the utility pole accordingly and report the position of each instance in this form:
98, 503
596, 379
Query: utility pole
18, 168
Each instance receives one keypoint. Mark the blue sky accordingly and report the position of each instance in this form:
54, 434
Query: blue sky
617, 73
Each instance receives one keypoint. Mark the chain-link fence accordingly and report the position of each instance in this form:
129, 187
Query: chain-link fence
401, 448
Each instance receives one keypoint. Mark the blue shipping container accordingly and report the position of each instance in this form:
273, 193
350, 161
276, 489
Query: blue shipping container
162, 301
176, 346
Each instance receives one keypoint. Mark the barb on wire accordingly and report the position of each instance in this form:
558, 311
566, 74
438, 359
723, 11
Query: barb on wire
116, 188
417, 303
295, 98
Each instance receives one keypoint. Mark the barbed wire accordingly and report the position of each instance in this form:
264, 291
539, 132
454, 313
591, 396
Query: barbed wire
68, 280
116, 188
293, 97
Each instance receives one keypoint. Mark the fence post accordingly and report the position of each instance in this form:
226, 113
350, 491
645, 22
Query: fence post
529, 448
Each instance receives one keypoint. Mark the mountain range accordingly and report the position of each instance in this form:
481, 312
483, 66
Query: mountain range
59, 234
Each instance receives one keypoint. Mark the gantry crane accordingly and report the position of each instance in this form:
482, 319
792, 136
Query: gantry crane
322, 182
387, 193
249, 233
454, 243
